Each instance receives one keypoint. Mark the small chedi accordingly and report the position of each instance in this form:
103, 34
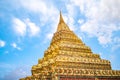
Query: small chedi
68, 58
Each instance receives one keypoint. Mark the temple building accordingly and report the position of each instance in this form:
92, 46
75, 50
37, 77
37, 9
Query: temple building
68, 58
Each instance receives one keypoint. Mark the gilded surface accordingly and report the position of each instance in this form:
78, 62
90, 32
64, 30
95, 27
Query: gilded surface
67, 55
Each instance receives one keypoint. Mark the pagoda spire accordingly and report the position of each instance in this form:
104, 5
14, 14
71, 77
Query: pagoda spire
61, 18
62, 25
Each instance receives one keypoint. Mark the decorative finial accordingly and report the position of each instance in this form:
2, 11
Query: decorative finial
62, 25
61, 18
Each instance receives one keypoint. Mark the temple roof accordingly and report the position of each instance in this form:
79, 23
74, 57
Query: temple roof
62, 25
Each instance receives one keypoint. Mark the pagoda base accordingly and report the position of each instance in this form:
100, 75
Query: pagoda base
89, 78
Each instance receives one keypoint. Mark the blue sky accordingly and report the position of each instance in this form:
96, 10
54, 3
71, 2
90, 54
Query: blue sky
27, 26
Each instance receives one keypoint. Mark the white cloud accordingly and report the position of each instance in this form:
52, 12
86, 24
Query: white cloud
102, 18
2, 43
69, 17
25, 27
46, 9
117, 40
104, 39
69, 21
47, 13
80, 21
19, 27
49, 36
14, 45
33, 29
34, 5
17, 73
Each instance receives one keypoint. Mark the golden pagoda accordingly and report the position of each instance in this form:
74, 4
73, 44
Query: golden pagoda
68, 58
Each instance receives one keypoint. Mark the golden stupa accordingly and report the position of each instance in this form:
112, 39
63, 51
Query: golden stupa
68, 58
